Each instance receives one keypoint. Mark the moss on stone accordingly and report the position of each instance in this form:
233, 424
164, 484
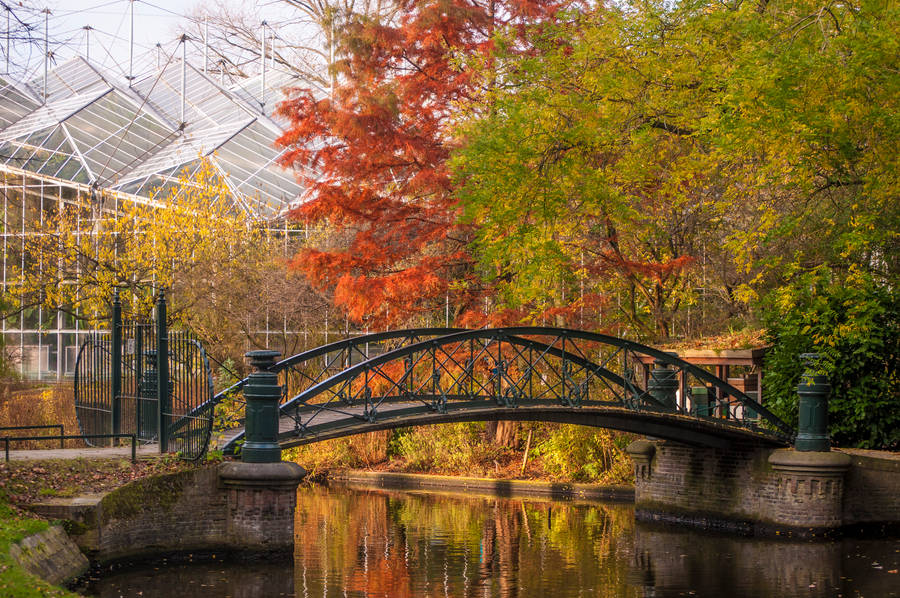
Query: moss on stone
156, 492
14, 580
73, 528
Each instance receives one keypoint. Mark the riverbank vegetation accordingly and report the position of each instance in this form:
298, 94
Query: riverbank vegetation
553, 452
15, 582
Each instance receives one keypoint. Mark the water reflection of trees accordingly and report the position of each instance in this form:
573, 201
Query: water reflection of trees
401, 544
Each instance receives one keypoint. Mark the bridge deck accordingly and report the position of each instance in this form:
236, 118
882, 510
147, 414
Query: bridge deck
343, 420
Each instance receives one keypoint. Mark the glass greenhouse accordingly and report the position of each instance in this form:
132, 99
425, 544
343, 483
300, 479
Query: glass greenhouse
77, 130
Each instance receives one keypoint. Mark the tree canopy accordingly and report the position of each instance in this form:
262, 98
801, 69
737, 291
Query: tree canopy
643, 167
379, 146
641, 139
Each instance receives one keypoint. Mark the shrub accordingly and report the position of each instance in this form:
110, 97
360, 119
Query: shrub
444, 448
852, 322
585, 454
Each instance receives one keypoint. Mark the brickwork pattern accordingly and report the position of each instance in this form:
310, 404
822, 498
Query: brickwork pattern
261, 518
738, 484
193, 516
872, 489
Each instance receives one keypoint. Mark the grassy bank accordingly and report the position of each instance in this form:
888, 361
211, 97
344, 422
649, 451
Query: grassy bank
15, 582
27, 482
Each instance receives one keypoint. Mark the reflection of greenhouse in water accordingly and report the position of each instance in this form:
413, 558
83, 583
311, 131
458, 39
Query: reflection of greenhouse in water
78, 130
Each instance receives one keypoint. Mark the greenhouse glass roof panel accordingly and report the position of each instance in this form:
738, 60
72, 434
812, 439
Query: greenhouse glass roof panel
206, 103
50, 115
96, 128
249, 160
73, 77
113, 136
48, 152
15, 103
276, 81
185, 149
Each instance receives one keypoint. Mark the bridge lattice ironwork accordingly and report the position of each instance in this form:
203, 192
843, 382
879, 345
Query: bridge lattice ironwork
431, 375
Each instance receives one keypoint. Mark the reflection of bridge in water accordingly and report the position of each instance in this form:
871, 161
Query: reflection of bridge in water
437, 375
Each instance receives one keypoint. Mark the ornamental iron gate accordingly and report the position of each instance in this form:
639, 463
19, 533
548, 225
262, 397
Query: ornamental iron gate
118, 375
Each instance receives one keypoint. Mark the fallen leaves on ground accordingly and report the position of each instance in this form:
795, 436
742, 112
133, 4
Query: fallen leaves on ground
28, 482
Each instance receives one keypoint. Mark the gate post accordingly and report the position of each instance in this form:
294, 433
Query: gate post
162, 372
116, 389
147, 412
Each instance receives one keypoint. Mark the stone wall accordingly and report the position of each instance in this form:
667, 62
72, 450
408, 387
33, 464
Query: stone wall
754, 489
705, 486
176, 512
483, 486
872, 488
50, 555
188, 511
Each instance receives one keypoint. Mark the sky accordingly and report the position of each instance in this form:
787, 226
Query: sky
155, 21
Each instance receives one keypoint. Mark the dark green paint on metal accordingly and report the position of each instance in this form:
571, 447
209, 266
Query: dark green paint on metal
575, 370
700, 401
116, 386
148, 409
162, 371
663, 383
262, 393
812, 434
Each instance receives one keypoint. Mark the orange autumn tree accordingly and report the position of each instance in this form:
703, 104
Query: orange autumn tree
379, 148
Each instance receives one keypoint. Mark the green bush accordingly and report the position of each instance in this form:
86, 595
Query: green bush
585, 454
444, 448
852, 322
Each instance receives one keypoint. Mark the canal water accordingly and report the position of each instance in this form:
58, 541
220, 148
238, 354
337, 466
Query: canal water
404, 544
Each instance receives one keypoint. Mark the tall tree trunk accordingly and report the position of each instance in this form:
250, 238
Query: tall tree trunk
502, 433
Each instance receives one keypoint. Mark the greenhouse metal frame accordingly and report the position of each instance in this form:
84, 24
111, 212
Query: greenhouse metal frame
79, 131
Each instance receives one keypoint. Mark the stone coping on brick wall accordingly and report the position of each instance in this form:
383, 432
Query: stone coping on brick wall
50, 555
484, 486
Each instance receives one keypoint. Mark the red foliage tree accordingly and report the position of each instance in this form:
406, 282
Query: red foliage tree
379, 149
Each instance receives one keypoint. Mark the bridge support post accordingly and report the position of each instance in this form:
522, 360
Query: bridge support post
663, 383
813, 390
263, 393
261, 489
810, 476
745, 487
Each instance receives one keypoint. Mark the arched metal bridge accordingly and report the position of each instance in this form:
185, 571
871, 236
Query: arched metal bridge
438, 375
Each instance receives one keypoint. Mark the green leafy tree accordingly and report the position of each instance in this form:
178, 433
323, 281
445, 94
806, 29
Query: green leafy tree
650, 152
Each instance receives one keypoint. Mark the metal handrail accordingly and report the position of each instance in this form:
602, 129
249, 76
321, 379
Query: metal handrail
347, 343
62, 430
6, 440
514, 336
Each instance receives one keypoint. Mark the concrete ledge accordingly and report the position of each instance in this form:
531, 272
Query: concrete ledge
820, 463
50, 555
271, 475
641, 449
501, 488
